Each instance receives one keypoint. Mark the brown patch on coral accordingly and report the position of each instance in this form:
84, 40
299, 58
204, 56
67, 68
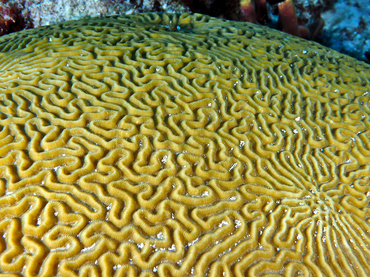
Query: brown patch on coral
256, 11
11, 19
288, 20
248, 11
224, 9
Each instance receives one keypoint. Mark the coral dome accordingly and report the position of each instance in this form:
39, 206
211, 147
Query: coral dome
178, 145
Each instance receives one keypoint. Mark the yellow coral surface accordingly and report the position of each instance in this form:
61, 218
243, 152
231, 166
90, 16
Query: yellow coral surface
177, 145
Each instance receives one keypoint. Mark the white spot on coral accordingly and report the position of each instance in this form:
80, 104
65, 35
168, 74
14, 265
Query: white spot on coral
223, 223
164, 159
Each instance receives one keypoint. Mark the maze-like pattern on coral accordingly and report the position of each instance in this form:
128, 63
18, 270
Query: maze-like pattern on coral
177, 145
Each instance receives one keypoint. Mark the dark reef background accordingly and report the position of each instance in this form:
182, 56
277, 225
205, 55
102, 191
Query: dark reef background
339, 24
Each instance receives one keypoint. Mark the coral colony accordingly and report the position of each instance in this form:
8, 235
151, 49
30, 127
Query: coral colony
177, 145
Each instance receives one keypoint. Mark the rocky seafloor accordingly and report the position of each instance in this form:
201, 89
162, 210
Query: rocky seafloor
347, 28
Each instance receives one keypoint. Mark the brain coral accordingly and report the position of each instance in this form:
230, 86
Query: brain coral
177, 145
